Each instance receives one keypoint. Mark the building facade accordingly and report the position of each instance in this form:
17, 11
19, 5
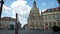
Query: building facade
51, 18
7, 23
35, 20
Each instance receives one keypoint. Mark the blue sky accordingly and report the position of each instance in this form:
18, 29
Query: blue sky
40, 3
43, 4
22, 7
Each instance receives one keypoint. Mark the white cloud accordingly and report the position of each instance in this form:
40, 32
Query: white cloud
44, 4
20, 0
43, 10
22, 9
5, 8
22, 20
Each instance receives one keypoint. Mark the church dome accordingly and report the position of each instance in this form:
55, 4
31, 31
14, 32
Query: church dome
34, 8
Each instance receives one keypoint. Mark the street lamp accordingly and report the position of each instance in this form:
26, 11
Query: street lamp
16, 29
1, 5
58, 1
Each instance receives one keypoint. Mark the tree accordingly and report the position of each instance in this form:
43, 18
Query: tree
55, 28
11, 27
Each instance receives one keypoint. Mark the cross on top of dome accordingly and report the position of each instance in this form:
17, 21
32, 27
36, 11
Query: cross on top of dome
34, 3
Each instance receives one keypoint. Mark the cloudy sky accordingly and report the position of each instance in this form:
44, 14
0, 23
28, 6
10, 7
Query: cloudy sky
22, 7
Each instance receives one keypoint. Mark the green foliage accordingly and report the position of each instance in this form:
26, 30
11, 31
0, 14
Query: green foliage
11, 27
55, 28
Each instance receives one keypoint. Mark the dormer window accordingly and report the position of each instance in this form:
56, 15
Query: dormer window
52, 9
48, 10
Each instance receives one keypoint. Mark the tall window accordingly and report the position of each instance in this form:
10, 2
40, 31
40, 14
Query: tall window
54, 24
58, 23
0, 24
46, 24
50, 24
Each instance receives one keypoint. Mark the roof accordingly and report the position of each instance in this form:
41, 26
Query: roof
52, 10
7, 19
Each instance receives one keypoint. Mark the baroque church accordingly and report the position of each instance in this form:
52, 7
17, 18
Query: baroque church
35, 19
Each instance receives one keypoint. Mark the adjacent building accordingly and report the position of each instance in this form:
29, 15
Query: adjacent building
8, 22
51, 18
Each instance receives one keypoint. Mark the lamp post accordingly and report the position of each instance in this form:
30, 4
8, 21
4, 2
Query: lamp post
58, 2
16, 29
1, 5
